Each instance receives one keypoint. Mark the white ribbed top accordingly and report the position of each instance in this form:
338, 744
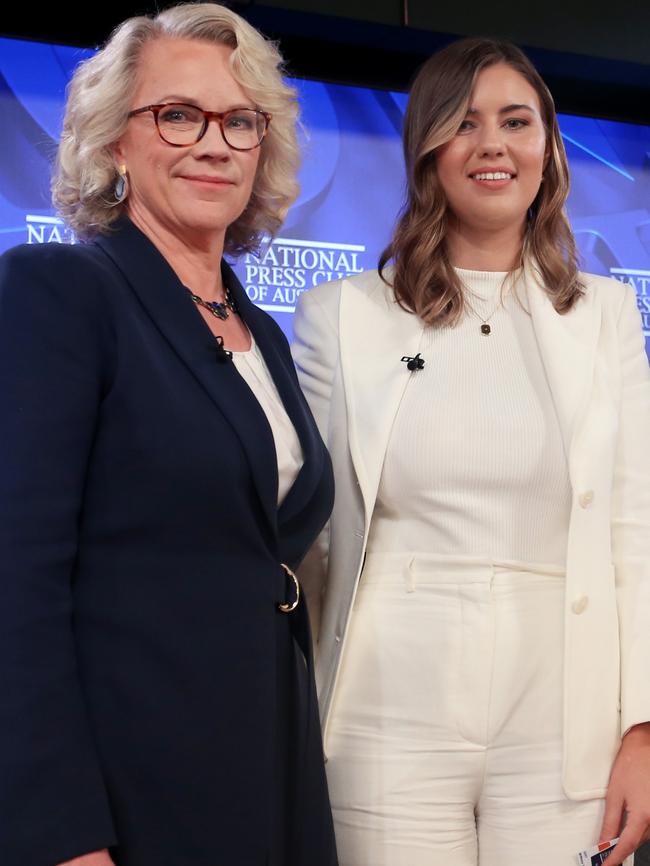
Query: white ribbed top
475, 465
252, 367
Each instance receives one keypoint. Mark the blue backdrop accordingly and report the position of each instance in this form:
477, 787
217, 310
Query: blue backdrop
351, 180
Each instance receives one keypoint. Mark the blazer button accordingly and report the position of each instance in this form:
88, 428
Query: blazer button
585, 499
580, 604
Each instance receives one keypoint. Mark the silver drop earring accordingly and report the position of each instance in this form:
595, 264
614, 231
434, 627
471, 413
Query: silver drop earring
121, 185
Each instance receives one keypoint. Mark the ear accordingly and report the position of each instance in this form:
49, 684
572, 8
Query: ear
118, 152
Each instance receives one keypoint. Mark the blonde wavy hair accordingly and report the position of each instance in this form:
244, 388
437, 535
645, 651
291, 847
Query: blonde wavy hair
423, 278
99, 101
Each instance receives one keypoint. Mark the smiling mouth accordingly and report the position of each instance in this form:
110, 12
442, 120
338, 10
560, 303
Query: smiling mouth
492, 175
216, 181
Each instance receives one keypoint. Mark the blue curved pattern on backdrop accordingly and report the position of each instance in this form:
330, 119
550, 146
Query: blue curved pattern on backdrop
351, 180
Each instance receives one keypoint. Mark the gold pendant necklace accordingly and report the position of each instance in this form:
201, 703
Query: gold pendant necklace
486, 328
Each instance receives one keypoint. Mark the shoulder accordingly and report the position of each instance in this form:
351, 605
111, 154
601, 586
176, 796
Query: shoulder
43, 258
57, 274
40, 264
608, 292
367, 285
65, 287
619, 307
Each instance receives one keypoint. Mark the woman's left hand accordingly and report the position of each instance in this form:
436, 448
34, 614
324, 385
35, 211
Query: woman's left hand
628, 795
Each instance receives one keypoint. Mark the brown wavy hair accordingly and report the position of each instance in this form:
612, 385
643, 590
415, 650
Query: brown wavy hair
97, 110
422, 277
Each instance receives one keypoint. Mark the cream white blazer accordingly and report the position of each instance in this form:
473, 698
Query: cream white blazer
349, 338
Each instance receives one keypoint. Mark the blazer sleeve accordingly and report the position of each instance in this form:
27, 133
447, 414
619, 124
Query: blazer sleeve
631, 518
53, 346
315, 352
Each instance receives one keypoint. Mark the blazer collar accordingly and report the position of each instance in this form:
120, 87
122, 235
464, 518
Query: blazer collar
272, 344
174, 314
567, 345
375, 334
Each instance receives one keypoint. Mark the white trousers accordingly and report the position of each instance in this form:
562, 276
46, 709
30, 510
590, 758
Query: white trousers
445, 743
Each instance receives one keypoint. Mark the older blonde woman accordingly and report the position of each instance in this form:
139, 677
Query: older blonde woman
485, 630
162, 479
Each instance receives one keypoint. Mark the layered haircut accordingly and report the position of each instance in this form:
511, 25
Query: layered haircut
99, 100
422, 277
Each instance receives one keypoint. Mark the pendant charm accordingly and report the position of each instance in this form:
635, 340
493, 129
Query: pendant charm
485, 328
217, 309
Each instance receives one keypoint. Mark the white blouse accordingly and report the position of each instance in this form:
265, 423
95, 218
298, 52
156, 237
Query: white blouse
476, 464
252, 368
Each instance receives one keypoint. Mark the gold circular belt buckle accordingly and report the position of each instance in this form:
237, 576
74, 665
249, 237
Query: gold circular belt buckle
287, 608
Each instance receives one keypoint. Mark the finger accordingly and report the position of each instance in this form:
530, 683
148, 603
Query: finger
644, 822
628, 843
613, 817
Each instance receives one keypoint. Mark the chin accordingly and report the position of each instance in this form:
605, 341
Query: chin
498, 217
207, 220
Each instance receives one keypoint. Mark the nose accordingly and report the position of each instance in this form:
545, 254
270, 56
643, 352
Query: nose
490, 141
213, 144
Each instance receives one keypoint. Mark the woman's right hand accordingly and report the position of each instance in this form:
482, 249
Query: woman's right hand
96, 858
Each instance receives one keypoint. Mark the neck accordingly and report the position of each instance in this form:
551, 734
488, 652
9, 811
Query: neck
194, 256
484, 249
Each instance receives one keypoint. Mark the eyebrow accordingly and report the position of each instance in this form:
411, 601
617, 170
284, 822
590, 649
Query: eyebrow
514, 106
186, 100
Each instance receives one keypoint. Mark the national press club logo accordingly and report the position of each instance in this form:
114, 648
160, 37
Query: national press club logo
640, 282
286, 267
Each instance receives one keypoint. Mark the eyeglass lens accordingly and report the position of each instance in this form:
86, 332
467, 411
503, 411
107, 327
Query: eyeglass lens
184, 124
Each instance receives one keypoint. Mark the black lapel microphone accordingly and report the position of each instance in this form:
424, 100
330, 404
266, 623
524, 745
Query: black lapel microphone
223, 355
413, 364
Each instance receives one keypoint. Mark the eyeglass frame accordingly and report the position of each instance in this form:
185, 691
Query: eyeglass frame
208, 116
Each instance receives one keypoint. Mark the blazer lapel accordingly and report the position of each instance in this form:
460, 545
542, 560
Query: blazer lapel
282, 371
567, 344
375, 333
175, 316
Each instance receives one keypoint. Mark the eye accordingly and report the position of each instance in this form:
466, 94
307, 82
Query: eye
241, 121
179, 114
466, 126
515, 123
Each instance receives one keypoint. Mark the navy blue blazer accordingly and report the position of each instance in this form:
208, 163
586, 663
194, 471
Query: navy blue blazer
153, 698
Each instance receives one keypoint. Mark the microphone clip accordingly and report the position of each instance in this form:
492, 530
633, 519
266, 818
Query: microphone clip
416, 363
223, 354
